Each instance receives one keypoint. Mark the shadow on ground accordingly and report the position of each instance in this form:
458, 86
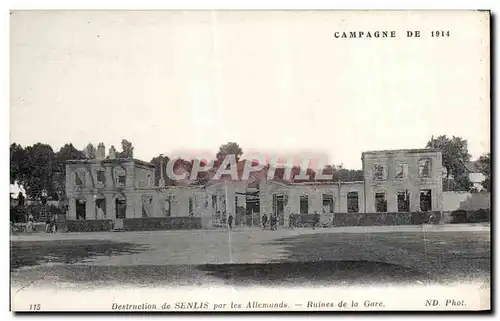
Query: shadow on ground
273, 274
441, 257
319, 259
65, 251
314, 273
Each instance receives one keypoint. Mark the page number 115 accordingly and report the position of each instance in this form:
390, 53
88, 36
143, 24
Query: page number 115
440, 33
35, 307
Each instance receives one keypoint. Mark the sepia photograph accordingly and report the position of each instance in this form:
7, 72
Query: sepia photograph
249, 161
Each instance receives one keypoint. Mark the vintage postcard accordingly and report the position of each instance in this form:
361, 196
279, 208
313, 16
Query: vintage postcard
245, 161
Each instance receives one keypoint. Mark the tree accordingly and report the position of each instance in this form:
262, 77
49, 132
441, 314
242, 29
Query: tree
203, 177
67, 152
17, 161
90, 151
181, 166
127, 149
39, 162
157, 161
341, 174
455, 156
484, 166
230, 148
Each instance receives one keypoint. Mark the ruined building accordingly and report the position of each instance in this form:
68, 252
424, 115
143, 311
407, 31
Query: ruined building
112, 193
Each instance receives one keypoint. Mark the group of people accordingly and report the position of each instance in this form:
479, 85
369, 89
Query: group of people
273, 221
50, 224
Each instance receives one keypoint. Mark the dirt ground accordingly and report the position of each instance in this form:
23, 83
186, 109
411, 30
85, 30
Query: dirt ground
350, 255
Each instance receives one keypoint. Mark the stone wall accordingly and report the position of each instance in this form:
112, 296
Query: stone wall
162, 223
468, 216
383, 219
89, 225
21, 228
136, 224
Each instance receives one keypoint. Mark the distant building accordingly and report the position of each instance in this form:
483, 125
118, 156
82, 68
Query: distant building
15, 189
475, 175
395, 181
13, 200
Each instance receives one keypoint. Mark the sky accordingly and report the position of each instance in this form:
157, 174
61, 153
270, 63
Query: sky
274, 82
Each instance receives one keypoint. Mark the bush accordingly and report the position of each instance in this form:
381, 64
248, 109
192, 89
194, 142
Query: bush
472, 216
479, 216
16, 215
89, 225
459, 216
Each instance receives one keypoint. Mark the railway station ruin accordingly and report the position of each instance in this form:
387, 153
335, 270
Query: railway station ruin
109, 193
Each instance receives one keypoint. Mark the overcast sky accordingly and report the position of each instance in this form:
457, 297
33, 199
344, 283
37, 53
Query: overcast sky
270, 81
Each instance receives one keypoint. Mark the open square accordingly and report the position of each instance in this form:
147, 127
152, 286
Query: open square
337, 256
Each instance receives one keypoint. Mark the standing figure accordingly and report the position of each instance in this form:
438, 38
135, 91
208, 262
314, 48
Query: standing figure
273, 222
316, 220
230, 221
264, 221
29, 224
53, 223
47, 225
291, 221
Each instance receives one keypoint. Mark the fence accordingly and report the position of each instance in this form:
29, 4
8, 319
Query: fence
136, 224
368, 219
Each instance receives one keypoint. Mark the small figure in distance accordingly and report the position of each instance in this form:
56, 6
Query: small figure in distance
230, 221
29, 224
273, 222
316, 220
264, 221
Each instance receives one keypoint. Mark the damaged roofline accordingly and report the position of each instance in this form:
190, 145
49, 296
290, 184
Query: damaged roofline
110, 161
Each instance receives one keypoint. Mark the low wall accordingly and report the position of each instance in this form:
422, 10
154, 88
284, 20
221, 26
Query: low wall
453, 201
381, 219
162, 223
89, 225
368, 219
21, 228
136, 224
469, 216
305, 220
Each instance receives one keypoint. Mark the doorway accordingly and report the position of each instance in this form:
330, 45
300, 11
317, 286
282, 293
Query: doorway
121, 208
100, 208
81, 209
279, 207
252, 205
